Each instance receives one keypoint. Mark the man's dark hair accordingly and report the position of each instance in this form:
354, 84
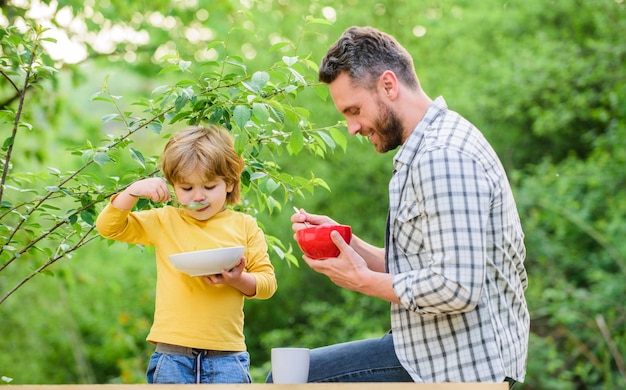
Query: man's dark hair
364, 53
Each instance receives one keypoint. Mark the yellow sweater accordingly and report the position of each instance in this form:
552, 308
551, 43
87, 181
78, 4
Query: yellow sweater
188, 311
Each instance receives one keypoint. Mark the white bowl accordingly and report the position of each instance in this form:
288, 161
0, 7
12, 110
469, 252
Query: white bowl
207, 262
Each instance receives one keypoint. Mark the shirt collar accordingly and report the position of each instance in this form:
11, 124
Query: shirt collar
409, 148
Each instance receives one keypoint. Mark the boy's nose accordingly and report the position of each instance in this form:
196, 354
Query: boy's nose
198, 196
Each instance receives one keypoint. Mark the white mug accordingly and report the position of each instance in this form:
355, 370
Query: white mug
290, 365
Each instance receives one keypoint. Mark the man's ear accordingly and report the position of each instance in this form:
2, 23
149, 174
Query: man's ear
388, 82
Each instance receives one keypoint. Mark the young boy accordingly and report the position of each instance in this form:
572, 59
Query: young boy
198, 321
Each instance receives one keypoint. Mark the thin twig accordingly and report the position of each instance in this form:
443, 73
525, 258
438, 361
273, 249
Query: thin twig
83, 241
16, 123
63, 182
34, 241
606, 334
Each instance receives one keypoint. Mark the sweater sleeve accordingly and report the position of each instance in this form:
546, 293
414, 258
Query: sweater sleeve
258, 262
121, 225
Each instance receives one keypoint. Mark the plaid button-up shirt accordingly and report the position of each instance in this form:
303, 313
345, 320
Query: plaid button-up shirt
456, 250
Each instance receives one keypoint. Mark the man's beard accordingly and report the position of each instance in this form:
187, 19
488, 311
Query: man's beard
388, 127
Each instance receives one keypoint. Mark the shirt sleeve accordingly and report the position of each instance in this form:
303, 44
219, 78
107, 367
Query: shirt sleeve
452, 193
258, 262
122, 225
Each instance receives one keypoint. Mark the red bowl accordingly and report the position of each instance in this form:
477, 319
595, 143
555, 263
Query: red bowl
316, 243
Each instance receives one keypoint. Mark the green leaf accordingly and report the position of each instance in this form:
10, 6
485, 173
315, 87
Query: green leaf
321, 90
290, 60
216, 115
180, 102
272, 203
298, 76
179, 116
245, 177
339, 137
98, 97
257, 175
170, 68
137, 156
7, 143
270, 185
276, 109
296, 140
327, 139
109, 118
184, 65
237, 64
257, 82
260, 111
47, 70
101, 158
320, 182
260, 79
241, 141
213, 44
242, 115
55, 171
279, 45
290, 88
186, 83
161, 89
167, 57
26, 125
87, 217
312, 20
155, 127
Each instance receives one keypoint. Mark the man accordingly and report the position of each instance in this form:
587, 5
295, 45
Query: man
452, 266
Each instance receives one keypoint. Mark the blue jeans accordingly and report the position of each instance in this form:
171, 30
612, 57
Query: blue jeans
179, 369
372, 360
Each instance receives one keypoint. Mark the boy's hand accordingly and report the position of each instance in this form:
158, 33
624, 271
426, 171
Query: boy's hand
236, 278
153, 188
230, 276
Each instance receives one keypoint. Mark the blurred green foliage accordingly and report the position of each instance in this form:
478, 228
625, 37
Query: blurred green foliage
544, 80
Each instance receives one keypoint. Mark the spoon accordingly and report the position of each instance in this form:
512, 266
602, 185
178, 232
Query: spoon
139, 196
298, 212
195, 205
189, 206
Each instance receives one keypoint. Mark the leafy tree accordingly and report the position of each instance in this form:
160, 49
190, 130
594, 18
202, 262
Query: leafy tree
49, 215
257, 106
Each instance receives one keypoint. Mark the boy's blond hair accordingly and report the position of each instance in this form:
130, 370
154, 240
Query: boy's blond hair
210, 150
